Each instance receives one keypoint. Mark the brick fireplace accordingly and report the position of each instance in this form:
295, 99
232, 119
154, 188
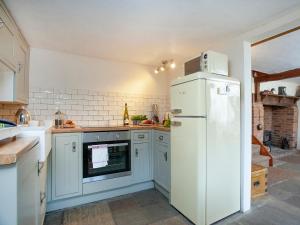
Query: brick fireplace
281, 119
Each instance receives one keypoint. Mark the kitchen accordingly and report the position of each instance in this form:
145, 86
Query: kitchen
80, 87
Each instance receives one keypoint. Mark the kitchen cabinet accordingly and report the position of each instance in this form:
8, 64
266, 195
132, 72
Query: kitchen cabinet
161, 150
6, 43
14, 61
20, 190
142, 160
21, 76
28, 189
66, 165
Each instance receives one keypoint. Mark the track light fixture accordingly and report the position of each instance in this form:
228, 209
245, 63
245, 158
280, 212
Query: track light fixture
165, 65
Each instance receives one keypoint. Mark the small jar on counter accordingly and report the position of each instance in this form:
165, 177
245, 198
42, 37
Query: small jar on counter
59, 119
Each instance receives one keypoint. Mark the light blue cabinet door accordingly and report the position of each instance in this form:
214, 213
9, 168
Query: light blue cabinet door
162, 165
142, 168
162, 157
28, 188
66, 166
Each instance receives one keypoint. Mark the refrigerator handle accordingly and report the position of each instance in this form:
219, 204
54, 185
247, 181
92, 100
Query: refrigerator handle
176, 123
176, 111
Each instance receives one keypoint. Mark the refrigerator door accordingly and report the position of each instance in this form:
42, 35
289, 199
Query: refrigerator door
188, 167
188, 98
223, 150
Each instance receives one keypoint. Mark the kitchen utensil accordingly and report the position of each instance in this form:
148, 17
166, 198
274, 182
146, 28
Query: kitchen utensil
155, 112
23, 116
59, 119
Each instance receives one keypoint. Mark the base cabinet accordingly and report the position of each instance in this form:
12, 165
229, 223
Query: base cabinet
150, 161
28, 189
162, 169
19, 191
142, 160
141, 163
66, 166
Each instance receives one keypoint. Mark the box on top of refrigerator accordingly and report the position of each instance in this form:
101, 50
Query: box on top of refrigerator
209, 62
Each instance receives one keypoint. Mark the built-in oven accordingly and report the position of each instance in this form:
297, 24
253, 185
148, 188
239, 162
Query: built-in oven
106, 155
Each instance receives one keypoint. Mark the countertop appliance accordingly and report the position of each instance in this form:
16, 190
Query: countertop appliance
44, 134
117, 146
205, 147
208, 62
23, 116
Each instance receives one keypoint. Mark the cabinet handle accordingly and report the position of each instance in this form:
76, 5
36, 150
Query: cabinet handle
161, 138
176, 111
176, 123
136, 152
166, 156
40, 166
141, 136
42, 197
73, 146
19, 67
256, 183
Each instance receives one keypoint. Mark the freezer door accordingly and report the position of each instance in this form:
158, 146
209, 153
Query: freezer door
223, 150
188, 99
188, 167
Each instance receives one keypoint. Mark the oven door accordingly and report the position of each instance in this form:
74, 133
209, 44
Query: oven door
118, 164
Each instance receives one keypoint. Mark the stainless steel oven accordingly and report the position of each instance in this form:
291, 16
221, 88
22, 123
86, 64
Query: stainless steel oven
116, 146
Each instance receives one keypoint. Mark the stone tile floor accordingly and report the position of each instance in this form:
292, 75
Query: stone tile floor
281, 206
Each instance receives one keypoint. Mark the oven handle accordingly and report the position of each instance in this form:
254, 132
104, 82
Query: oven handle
110, 145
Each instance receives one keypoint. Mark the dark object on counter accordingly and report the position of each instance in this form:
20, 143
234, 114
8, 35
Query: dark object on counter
59, 119
285, 143
281, 90
6, 123
126, 116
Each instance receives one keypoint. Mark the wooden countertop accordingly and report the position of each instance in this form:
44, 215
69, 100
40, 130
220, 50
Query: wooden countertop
116, 128
11, 150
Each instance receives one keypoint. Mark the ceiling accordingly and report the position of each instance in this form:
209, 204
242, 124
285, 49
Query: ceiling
139, 31
278, 55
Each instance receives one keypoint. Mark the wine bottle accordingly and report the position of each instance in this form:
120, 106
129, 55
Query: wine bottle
126, 116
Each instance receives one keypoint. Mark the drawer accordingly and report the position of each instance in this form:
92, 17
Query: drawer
141, 136
162, 137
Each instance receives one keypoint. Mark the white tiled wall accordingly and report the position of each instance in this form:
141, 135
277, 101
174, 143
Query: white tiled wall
92, 108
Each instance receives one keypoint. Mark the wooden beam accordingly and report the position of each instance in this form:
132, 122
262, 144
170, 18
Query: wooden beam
257, 97
276, 36
264, 77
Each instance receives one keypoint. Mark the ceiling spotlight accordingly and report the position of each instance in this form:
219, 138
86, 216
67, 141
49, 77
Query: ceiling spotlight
172, 65
156, 71
162, 68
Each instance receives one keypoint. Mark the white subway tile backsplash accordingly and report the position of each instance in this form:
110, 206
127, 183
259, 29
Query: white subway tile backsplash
92, 108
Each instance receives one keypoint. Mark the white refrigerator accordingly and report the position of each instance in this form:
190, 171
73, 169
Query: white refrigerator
205, 147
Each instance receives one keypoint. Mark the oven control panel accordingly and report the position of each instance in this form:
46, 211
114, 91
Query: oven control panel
105, 136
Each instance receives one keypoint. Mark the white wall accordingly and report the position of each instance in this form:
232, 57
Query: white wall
51, 69
239, 53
